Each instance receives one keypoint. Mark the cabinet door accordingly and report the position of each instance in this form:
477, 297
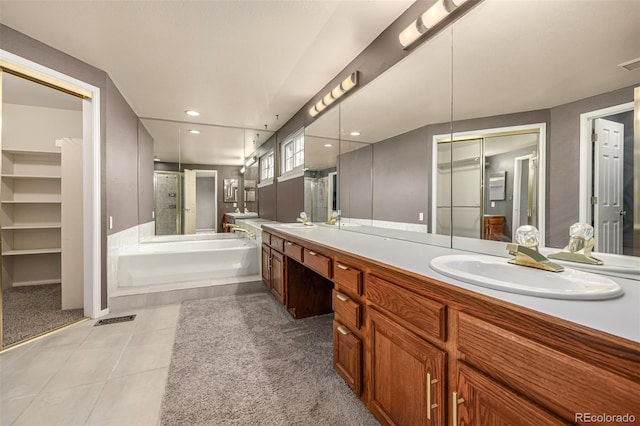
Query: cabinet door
347, 356
484, 402
406, 375
278, 276
266, 265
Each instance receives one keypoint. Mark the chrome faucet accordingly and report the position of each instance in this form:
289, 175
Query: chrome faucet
526, 250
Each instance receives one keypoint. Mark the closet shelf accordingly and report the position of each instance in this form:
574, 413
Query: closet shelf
32, 152
33, 226
10, 176
31, 251
31, 202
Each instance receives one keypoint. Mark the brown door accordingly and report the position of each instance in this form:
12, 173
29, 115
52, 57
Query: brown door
407, 375
483, 402
266, 265
277, 276
347, 356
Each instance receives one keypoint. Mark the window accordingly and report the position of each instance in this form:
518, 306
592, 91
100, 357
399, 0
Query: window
293, 153
266, 167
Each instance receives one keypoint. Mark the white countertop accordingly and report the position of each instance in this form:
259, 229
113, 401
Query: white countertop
619, 317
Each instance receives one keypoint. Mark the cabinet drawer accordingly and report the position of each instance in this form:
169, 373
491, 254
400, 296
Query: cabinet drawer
319, 263
347, 277
347, 356
563, 384
293, 250
348, 310
266, 238
423, 316
277, 243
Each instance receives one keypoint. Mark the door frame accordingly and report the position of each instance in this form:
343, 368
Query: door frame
541, 128
586, 156
517, 194
91, 170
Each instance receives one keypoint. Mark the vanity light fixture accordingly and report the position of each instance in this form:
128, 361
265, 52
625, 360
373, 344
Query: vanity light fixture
429, 19
251, 161
195, 132
347, 84
192, 113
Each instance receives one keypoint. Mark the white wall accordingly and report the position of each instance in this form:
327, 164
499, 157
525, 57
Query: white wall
20, 131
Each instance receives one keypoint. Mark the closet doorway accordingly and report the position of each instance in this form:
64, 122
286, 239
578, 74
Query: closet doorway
41, 208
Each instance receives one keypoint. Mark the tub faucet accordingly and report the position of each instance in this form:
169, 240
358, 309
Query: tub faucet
235, 228
526, 250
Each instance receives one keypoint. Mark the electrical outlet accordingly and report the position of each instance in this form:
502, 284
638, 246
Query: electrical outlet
110, 222
421, 216
153, 214
493, 204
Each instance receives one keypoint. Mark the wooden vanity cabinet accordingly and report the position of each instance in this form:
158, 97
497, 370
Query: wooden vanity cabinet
347, 356
274, 266
406, 375
481, 401
422, 352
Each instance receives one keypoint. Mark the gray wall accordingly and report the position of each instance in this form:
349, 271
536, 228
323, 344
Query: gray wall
355, 182
289, 199
122, 161
401, 172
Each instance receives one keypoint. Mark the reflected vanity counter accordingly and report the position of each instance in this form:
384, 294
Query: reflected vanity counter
619, 317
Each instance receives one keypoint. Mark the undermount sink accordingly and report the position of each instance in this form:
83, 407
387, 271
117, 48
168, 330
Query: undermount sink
295, 225
496, 273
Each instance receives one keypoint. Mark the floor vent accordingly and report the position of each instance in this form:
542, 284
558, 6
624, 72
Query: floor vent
115, 320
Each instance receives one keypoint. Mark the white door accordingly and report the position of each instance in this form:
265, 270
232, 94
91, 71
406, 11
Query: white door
608, 187
189, 201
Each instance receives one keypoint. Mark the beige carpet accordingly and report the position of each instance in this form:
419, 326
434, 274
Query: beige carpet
32, 310
242, 360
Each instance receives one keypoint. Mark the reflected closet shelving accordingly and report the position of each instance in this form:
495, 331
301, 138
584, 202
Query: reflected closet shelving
31, 217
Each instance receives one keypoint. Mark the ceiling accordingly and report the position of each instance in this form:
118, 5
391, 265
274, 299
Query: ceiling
239, 63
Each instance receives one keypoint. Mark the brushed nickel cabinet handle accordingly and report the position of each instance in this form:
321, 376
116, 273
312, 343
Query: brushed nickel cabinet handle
343, 330
313, 253
344, 268
430, 406
289, 243
454, 415
342, 297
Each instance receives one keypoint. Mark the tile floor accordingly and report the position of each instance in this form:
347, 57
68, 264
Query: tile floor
84, 375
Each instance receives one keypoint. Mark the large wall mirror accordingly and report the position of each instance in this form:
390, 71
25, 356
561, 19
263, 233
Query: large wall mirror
386, 147
543, 123
198, 174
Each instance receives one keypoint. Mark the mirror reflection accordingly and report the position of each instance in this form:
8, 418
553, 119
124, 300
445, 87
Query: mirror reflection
570, 85
199, 176
385, 184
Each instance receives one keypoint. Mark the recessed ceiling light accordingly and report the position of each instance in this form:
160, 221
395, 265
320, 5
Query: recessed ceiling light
355, 133
195, 132
328, 145
192, 113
